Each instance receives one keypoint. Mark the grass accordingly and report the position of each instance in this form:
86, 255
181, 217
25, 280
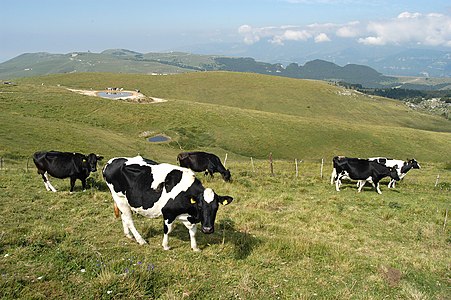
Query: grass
283, 237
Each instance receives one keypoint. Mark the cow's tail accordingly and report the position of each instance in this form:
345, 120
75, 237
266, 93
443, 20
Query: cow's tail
116, 210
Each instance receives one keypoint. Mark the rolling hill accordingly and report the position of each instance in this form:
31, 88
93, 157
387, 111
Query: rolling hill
284, 236
246, 115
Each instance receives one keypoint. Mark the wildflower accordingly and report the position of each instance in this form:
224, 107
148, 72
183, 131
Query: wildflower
83, 270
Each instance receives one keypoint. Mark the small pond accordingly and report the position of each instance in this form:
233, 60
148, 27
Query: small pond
158, 139
114, 95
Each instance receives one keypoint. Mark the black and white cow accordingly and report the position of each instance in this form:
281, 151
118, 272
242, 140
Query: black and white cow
203, 161
361, 169
401, 166
65, 164
153, 190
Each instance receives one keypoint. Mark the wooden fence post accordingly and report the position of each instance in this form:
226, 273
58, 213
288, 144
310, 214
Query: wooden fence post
225, 160
446, 217
322, 165
270, 164
436, 181
296, 164
252, 163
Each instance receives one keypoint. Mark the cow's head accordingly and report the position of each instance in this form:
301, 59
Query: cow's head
226, 176
208, 203
91, 162
414, 163
394, 173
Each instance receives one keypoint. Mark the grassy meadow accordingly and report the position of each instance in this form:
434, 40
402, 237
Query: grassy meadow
284, 237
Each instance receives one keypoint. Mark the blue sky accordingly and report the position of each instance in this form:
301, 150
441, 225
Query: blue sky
59, 26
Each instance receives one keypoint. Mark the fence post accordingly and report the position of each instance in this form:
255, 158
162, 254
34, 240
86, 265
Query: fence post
322, 164
28, 160
270, 164
436, 181
225, 160
296, 164
252, 163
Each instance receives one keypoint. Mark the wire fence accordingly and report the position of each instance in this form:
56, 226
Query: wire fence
318, 168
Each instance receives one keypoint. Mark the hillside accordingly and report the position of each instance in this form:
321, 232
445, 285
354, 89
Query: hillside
245, 115
126, 61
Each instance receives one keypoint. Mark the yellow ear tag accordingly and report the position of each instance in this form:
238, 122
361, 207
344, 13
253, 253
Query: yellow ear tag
84, 160
193, 201
225, 202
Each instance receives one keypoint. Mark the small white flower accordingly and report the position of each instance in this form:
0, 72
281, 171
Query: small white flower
109, 292
6, 255
83, 270
40, 277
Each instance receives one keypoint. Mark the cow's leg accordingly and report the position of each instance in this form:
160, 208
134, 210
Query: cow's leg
127, 221
333, 175
378, 190
167, 230
192, 229
83, 184
391, 184
72, 184
338, 183
47, 183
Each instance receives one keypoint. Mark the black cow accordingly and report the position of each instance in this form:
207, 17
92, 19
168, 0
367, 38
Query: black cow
361, 169
203, 161
65, 164
153, 190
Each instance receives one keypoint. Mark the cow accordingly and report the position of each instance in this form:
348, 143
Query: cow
401, 166
203, 161
361, 169
65, 164
154, 190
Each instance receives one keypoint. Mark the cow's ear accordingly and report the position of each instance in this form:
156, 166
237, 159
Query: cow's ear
99, 157
225, 200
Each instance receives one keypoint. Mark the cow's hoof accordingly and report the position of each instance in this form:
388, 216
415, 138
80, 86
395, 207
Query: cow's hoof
141, 242
166, 248
196, 250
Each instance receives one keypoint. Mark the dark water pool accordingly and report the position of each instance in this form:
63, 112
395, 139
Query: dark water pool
158, 138
114, 95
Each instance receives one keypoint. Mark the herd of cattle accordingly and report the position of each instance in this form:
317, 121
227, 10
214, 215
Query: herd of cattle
153, 189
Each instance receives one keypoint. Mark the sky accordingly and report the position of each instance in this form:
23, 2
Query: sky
60, 26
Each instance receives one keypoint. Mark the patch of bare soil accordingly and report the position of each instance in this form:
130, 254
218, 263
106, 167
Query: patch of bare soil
131, 96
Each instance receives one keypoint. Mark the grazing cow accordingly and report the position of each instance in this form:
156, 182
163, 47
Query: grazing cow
401, 166
203, 161
65, 164
362, 169
153, 190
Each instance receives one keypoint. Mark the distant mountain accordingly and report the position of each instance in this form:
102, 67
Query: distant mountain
126, 61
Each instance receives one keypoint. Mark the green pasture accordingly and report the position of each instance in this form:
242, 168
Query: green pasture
283, 237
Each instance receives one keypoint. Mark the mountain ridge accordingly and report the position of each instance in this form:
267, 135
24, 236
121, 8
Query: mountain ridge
127, 61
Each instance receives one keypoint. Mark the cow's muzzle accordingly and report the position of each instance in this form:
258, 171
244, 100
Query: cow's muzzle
208, 230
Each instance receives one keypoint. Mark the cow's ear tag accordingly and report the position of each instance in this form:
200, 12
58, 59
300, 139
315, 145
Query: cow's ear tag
225, 202
84, 160
193, 201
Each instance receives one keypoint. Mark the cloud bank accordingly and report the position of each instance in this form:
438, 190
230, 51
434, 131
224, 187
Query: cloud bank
407, 28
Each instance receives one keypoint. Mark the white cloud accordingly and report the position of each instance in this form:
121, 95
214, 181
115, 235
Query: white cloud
408, 28
322, 37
